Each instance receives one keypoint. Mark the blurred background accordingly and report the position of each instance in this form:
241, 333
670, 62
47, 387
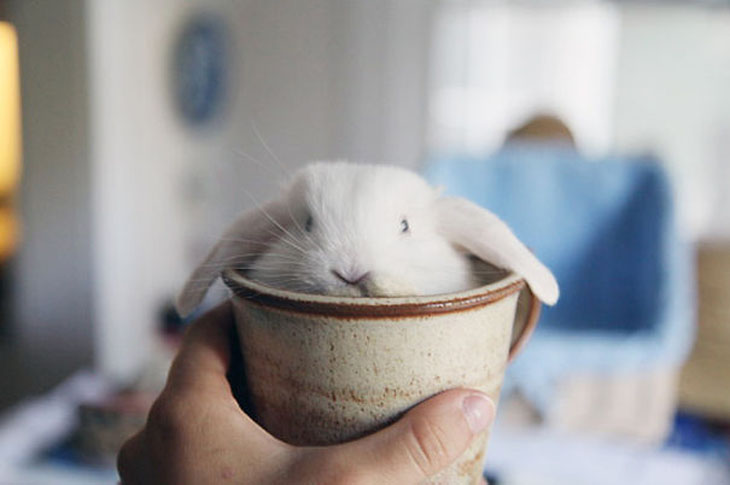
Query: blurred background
131, 132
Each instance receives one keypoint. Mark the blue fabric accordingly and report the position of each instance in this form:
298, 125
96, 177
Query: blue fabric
607, 230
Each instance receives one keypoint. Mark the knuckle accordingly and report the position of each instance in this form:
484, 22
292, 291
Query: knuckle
427, 447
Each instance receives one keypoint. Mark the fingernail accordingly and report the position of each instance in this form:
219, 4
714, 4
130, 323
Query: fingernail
478, 411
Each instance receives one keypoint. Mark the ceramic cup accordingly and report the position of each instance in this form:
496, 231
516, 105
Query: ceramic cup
322, 369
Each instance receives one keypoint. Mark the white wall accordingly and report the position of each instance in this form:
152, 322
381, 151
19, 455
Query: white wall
311, 77
381, 79
319, 79
139, 152
496, 64
673, 100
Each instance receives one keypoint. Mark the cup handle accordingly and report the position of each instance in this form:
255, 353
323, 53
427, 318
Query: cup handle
526, 317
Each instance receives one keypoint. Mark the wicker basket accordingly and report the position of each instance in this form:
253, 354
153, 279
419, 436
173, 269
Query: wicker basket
705, 381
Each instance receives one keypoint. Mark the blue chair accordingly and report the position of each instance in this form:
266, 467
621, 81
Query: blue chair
607, 229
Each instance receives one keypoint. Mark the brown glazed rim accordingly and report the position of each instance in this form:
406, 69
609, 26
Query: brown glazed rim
533, 315
369, 307
391, 307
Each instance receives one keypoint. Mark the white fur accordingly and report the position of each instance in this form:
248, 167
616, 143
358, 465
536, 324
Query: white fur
356, 216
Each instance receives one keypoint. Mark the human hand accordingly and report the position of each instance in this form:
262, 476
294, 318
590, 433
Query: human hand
196, 432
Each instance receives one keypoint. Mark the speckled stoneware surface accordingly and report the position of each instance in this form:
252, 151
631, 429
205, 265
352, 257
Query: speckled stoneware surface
321, 370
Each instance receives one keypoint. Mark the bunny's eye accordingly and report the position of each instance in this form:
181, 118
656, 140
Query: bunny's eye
308, 224
404, 225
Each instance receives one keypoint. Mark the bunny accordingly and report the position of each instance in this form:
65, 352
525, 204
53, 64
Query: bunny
350, 229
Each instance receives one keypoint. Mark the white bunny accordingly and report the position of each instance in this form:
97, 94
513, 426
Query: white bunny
350, 229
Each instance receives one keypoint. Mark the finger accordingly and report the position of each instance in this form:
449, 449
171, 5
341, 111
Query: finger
198, 377
204, 357
426, 440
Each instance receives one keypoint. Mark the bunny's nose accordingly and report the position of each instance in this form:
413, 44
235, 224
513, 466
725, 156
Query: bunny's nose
351, 278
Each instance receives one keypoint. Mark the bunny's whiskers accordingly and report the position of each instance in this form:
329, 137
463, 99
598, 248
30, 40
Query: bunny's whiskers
367, 230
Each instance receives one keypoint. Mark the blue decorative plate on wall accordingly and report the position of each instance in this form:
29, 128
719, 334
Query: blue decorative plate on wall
200, 69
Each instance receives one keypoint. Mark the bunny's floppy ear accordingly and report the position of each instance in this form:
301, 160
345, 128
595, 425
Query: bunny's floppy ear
486, 236
247, 238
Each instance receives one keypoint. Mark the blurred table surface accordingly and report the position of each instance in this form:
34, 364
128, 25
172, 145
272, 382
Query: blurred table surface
520, 456
29, 429
540, 456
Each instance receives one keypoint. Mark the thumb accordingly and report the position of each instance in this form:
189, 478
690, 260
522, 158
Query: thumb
426, 440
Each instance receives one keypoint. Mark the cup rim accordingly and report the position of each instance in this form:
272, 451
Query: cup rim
371, 307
